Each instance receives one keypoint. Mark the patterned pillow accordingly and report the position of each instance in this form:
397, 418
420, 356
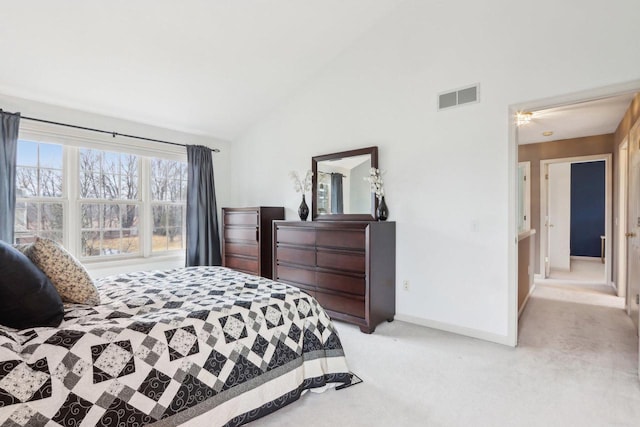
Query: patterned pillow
69, 277
25, 248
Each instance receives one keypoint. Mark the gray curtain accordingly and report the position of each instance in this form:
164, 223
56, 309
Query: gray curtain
337, 202
9, 126
203, 241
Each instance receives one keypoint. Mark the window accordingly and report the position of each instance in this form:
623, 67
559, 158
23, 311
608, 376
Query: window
168, 204
102, 201
110, 203
524, 196
39, 192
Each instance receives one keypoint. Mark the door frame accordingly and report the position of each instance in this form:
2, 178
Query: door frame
608, 208
634, 135
512, 178
621, 221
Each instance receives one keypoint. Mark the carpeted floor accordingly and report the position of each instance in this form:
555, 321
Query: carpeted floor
576, 365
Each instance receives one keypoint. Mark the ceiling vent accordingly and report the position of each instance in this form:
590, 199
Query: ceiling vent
467, 95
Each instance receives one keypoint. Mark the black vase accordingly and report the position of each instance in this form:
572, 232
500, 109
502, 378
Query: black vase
383, 210
303, 210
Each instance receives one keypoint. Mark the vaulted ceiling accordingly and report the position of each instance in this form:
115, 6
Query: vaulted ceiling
210, 67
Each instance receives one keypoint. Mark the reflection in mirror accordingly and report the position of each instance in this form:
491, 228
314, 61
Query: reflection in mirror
340, 190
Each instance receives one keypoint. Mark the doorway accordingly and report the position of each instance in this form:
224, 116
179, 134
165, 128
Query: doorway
575, 99
575, 219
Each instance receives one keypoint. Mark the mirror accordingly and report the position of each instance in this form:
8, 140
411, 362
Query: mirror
339, 190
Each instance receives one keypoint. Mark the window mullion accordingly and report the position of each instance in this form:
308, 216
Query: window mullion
145, 209
71, 199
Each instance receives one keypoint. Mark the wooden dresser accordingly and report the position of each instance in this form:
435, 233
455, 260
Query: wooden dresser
348, 266
246, 238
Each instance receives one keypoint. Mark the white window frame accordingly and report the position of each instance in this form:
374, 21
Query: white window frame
139, 202
74, 139
64, 200
152, 203
155, 203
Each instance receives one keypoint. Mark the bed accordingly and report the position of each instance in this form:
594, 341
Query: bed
190, 346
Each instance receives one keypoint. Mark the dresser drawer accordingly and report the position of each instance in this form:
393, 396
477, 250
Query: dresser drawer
295, 236
295, 274
341, 282
341, 260
241, 218
348, 239
341, 304
311, 290
296, 256
250, 249
249, 234
240, 263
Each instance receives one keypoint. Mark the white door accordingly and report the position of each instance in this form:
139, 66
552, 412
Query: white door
633, 228
559, 216
621, 221
544, 242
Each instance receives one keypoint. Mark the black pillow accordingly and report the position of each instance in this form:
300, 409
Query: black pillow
27, 297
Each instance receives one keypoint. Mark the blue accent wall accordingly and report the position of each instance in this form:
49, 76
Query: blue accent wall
587, 208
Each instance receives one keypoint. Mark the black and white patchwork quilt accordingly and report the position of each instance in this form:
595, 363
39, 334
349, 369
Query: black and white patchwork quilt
195, 346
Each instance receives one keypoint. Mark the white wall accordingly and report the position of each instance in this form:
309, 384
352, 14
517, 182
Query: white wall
81, 118
447, 172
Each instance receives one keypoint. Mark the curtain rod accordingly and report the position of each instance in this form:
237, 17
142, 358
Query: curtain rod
114, 134
331, 173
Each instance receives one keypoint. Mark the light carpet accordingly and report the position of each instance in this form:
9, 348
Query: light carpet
576, 365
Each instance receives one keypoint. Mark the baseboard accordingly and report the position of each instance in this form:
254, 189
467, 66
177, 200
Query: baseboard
455, 329
526, 299
618, 292
537, 276
586, 258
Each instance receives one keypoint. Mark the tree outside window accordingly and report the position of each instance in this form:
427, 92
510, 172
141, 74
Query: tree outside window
168, 204
39, 192
109, 188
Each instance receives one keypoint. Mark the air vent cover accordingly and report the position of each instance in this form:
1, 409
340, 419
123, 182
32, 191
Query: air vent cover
462, 96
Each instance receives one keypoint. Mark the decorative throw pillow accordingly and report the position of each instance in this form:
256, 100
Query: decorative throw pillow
69, 277
27, 297
25, 248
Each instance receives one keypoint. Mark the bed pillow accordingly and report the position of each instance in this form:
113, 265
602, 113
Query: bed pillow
27, 297
24, 248
69, 277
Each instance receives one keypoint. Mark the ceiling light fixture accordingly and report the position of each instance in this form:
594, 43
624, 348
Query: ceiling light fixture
522, 118
547, 133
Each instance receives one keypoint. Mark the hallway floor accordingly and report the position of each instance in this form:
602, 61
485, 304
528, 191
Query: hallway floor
582, 270
586, 277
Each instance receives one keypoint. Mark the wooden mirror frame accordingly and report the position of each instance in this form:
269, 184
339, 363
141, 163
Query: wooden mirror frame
373, 151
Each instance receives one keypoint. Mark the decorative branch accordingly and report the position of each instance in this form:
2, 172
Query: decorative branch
304, 185
377, 184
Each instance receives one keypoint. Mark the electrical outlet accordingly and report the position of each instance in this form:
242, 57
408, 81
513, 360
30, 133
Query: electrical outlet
405, 285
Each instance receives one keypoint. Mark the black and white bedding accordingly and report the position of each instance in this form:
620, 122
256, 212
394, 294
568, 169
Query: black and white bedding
194, 346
